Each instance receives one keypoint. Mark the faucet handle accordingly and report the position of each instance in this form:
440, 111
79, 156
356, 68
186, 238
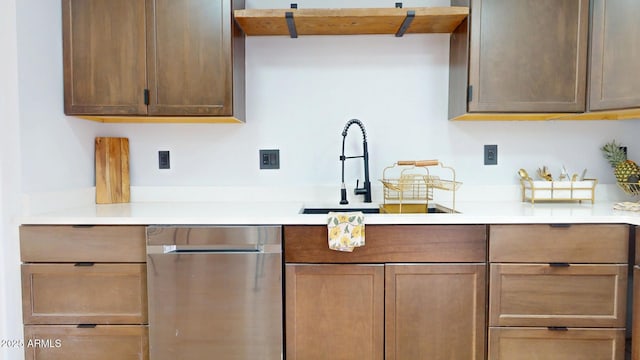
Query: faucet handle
358, 190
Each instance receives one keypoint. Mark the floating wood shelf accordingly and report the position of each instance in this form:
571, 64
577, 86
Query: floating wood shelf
350, 21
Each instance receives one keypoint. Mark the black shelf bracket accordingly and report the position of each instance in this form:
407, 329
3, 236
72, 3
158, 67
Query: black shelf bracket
291, 23
411, 14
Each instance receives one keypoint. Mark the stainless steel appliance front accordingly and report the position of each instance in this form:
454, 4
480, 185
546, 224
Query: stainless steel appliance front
215, 292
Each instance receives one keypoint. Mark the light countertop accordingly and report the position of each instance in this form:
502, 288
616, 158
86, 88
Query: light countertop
288, 213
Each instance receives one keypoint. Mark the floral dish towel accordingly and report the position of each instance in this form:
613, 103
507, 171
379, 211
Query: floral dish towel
346, 230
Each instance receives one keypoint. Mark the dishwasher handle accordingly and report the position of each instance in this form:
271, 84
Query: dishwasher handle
214, 249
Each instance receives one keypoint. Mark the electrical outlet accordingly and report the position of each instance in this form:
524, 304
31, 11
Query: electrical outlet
491, 154
270, 159
163, 159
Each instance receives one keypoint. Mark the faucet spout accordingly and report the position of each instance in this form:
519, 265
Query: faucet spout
366, 186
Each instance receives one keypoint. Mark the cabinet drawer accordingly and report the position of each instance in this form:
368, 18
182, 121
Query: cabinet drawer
544, 295
581, 243
98, 294
542, 343
390, 243
82, 243
62, 342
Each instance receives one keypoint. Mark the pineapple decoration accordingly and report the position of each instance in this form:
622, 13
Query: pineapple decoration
626, 171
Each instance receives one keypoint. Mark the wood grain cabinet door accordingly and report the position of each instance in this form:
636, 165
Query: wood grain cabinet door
614, 53
189, 45
528, 56
435, 311
334, 312
104, 57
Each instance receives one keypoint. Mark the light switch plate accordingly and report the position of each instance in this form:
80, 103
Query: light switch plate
270, 159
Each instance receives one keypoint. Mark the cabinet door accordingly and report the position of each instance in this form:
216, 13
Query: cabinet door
435, 311
528, 56
104, 56
334, 312
615, 50
189, 57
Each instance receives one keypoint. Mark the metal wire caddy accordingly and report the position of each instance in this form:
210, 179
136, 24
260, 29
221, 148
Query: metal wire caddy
410, 184
558, 191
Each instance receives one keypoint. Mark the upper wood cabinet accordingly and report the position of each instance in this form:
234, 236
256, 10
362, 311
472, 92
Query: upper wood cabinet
153, 58
528, 60
520, 56
614, 53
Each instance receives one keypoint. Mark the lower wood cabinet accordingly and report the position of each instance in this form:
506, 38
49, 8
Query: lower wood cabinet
392, 311
558, 291
84, 292
412, 292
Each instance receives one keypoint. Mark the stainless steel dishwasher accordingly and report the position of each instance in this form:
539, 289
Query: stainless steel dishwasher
215, 292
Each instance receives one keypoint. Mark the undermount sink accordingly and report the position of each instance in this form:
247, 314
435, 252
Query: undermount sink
341, 209
385, 209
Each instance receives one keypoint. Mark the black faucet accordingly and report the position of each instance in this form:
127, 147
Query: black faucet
366, 188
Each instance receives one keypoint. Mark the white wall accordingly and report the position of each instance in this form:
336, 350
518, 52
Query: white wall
300, 93
57, 150
10, 298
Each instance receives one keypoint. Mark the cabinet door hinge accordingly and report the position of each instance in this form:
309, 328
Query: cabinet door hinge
146, 96
469, 93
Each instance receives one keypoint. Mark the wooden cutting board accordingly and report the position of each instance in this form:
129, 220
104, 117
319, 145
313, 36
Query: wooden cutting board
112, 170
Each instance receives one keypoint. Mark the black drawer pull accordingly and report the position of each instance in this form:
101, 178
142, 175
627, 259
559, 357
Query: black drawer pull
557, 328
86, 326
84, 264
560, 225
559, 264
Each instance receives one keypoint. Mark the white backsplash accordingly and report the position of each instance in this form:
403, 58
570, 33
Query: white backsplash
300, 93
